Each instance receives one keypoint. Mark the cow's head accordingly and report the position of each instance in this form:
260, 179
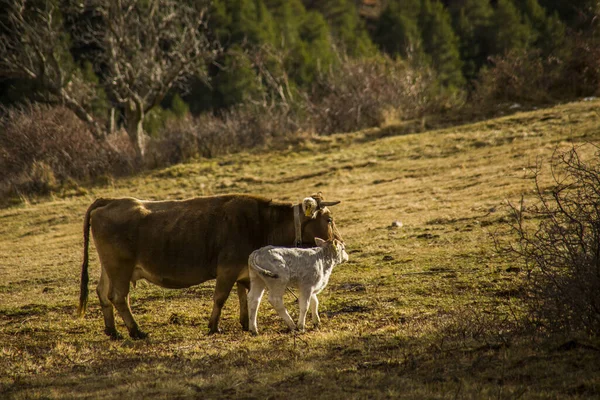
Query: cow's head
318, 221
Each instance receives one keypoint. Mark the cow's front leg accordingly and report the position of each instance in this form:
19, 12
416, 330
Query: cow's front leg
224, 285
242, 288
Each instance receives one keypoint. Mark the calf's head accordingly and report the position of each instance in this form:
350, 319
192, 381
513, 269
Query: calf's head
317, 220
335, 247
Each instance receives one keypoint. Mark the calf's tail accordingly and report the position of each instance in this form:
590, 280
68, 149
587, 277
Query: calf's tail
253, 263
85, 278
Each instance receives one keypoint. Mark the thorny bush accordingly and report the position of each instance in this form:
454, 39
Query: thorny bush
558, 240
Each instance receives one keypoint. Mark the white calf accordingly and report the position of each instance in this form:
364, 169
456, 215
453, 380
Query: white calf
277, 268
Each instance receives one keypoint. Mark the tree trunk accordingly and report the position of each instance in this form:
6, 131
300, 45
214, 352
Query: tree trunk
134, 117
83, 115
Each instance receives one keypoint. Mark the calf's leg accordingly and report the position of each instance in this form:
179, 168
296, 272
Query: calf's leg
314, 310
276, 293
303, 302
257, 288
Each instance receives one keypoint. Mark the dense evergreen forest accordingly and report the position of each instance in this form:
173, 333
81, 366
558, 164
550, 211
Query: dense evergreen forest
203, 77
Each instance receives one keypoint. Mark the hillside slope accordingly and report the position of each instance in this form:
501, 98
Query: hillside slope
423, 310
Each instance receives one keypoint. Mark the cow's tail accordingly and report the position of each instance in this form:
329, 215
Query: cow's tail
85, 278
252, 262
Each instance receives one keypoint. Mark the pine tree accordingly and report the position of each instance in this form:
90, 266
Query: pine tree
288, 16
397, 31
573, 13
237, 82
549, 36
441, 43
510, 31
346, 26
312, 53
471, 21
242, 21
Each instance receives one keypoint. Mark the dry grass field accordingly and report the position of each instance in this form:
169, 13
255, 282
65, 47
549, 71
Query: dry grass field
428, 309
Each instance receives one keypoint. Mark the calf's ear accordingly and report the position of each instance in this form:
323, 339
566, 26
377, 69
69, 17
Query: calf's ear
320, 242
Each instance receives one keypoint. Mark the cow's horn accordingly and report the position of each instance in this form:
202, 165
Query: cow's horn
329, 203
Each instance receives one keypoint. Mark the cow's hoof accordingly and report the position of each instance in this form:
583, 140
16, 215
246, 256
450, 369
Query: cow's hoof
113, 334
213, 331
254, 333
137, 334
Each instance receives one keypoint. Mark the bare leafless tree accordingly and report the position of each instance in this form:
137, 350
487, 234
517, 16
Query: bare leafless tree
34, 46
144, 48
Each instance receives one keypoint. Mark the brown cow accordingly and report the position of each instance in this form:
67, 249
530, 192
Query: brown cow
177, 244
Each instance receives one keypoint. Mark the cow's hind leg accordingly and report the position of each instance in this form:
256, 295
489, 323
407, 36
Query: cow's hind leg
107, 307
243, 286
119, 273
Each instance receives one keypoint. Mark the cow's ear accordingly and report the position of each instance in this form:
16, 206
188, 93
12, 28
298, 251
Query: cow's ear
309, 207
320, 242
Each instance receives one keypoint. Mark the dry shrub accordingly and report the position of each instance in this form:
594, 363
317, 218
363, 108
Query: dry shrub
176, 143
559, 244
362, 93
519, 76
249, 125
42, 148
526, 76
581, 72
242, 127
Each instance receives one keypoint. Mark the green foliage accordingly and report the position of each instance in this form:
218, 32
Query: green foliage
471, 23
237, 82
511, 32
346, 26
313, 52
397, 30
288, 15
242, 21
441, 43
574, 13
158, 117
99, 104
421, 30
179, 107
